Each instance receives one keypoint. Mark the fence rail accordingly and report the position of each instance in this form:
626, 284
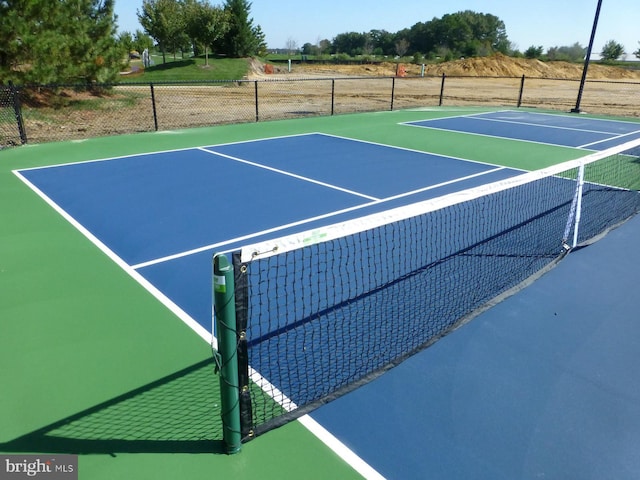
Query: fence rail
45, 113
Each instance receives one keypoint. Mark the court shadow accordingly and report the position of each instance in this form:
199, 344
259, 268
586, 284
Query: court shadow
175, 414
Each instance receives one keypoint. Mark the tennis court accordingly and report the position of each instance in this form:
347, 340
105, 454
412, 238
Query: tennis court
155, 211
570, 131
109, 288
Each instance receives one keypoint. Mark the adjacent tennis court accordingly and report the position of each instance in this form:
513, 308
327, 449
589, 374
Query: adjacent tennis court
571, 131
157, 210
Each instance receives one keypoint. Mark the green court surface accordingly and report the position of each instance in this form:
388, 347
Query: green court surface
91, 363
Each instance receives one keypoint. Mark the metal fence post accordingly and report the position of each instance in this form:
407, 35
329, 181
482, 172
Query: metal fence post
257, 111
17, 110
521, 91
333, 95
393, 90
442, 89
153, 103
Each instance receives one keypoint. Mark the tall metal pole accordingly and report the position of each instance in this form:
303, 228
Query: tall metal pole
586, 60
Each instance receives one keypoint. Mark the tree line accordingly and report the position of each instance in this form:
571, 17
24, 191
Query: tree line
611, 51
461, 34
465, 33
198, 26
76, 41
65, 41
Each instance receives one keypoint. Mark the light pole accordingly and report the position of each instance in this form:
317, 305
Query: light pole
586, 60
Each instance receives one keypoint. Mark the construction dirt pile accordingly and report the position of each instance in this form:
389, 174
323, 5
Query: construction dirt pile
494, 66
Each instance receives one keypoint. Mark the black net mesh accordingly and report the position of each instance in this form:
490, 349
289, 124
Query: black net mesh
325, 317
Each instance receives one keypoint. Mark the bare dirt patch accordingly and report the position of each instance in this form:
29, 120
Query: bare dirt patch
325, 90
494, 66
488, 81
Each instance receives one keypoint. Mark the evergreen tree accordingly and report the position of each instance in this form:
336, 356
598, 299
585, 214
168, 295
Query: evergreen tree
260, 41
57, 42
241, 40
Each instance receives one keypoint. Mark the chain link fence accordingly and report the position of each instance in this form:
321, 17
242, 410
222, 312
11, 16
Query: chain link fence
11, 126
46, 113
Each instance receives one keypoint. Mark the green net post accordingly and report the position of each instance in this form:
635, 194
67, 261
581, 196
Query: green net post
226, 356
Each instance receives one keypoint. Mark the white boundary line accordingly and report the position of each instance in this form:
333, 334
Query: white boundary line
158, 152
609, 139
328, 439
298, 240
181, 314
344, 452
477, 116
232, 241
567, 115
528, 124
288, 174
409, 124
430, 154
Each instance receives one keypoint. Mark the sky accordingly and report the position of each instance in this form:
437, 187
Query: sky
546, 23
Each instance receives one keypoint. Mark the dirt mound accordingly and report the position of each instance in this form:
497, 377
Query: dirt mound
257, 69
503, 66
494, 66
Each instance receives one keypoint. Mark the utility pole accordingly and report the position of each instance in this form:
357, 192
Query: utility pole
586, 60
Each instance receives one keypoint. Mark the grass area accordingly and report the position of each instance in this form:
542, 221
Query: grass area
188, 69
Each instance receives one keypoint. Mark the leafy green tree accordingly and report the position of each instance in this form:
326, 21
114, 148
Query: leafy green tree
612, 50
205, 24
350, 43
533, 52
552, 54
163, 20
243, 39
464, 33
125, 40
478, 33
324, 46
369, 45
383, 42
59, 42
637, 52
142, 41
572, 53
421, 36
309, 49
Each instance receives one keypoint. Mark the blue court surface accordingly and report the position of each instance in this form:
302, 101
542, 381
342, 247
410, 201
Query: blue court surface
538, 387
570, 131
165, 214
542, 386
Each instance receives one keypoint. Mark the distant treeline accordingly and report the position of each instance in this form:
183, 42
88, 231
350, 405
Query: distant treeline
458, 34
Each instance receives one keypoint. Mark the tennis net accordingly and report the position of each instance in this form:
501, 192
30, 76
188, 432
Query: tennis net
321, 312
